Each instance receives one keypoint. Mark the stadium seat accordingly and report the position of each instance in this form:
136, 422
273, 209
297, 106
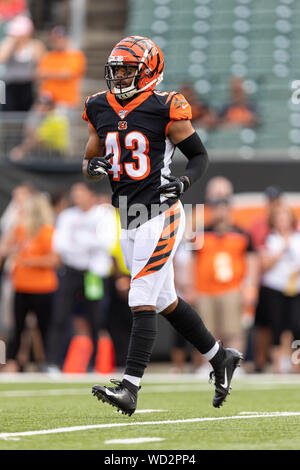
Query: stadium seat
206, 42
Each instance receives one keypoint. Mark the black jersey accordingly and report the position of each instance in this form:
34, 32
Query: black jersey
136, 134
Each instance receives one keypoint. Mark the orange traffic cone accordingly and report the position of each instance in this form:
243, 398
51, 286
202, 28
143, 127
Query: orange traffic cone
78, 355
105, 359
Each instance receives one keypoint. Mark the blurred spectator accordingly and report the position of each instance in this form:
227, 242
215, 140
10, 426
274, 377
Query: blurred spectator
20, 53
13, 212
59, 202
225, 269
203, 116
259, 231
279, 299
61, 70
9, 220
239, 111
260, 227
83, 237
46, 131
33, 275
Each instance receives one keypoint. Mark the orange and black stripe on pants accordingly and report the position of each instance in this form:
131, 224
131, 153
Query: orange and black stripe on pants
165, 244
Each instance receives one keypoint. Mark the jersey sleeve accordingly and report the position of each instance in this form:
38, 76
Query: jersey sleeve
84, 114
93, 106
87, 114
180, 109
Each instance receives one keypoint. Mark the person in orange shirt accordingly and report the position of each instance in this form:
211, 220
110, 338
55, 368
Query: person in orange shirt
33, 273
225, 268
61, 70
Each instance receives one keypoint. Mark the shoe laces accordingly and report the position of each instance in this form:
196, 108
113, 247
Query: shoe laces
118, 383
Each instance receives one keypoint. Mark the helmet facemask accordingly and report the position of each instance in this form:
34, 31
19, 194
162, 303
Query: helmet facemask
142, 71
116, 85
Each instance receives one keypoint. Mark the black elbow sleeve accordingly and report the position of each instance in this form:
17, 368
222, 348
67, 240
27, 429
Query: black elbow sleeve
192, 146
194, 150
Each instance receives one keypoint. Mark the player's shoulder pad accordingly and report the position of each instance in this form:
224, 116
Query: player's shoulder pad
90, 102
174, 104
164, 97
180, 108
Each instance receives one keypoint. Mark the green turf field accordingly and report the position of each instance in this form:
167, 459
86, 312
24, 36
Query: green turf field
261, 413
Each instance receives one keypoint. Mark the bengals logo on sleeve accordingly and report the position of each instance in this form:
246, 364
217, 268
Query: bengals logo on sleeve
180, 109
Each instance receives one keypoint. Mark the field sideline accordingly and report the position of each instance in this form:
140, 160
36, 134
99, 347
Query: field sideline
174, 413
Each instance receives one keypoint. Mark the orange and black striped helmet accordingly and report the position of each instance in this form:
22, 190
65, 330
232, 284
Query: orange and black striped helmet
138, 52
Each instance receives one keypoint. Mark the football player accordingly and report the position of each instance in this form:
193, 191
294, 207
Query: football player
133, 132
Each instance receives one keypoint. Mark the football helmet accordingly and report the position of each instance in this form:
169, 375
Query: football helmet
138, 52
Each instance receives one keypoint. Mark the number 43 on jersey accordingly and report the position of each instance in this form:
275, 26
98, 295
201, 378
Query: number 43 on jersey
139, 146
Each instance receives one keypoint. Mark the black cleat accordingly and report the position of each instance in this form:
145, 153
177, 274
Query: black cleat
119, 396
223, 375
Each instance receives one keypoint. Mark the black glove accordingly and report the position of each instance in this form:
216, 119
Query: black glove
99, 165
175, 188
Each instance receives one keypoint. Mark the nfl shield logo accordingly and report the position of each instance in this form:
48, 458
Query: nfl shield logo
122, 113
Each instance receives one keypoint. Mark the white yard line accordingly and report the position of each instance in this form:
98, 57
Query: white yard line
134, 440
150, 411
42, 393
9, 435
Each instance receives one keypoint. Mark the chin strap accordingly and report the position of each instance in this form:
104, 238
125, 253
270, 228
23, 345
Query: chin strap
131, 92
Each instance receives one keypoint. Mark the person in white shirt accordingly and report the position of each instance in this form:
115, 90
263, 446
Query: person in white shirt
83, 238
279, 301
